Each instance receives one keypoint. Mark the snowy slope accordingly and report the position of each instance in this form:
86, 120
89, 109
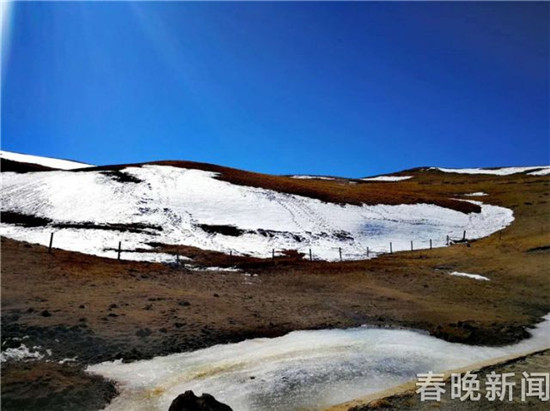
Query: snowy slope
171, 205
43, 161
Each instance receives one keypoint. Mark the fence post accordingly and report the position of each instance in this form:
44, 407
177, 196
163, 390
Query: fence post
367, 252
412, 246
119, 247
464, 236
340, 251
310, 255
430, 243
178, 256
391, 249
447, 239
230, 256
51, 243
273, 254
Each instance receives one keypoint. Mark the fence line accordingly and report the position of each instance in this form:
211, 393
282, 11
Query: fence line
369, 251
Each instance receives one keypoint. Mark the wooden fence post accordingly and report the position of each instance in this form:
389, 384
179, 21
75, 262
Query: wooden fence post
273, 254
447, 239
430, 243
119, 248
230, 256
178, 256
310, 255
340, 251
412, 246
464, 236
51, 243
367, 252
391, 249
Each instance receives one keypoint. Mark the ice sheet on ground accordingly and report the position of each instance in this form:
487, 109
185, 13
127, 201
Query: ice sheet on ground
172, 203
301, 370
44, 161
474, 276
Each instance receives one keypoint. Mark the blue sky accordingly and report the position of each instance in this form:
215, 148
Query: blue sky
348, 89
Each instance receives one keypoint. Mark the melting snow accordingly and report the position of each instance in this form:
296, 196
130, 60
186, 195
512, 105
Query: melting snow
301, 370
476, 194
172, 203
542, 172
44, 161
387, 178
23, 353
305, 177
474, 276
505, 171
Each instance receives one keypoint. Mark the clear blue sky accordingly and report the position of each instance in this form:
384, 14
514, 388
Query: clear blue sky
348, 89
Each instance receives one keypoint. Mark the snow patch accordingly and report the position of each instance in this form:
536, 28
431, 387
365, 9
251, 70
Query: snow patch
23, 353
43, 161
476, 194
474, 276
542, 172
224, 269
306, 177
387, 178
505, 171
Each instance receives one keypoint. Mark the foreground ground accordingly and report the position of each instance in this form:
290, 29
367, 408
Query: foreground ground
98, 309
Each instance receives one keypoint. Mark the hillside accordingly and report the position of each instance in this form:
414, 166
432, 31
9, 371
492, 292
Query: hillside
66, 310
153, 208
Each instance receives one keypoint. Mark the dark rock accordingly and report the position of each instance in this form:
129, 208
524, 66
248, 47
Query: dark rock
46, 313
143, 332
188, 401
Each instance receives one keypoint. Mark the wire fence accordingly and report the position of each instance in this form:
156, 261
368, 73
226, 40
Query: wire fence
338, 253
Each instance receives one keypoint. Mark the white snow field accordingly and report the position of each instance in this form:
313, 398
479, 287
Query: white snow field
504, 171
387, 178
172, 203
43, 161
303, 370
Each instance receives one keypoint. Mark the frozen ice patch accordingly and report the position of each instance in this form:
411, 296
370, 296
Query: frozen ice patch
301, 370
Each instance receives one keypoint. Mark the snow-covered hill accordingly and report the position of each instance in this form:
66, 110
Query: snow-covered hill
43, 161
90, 211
